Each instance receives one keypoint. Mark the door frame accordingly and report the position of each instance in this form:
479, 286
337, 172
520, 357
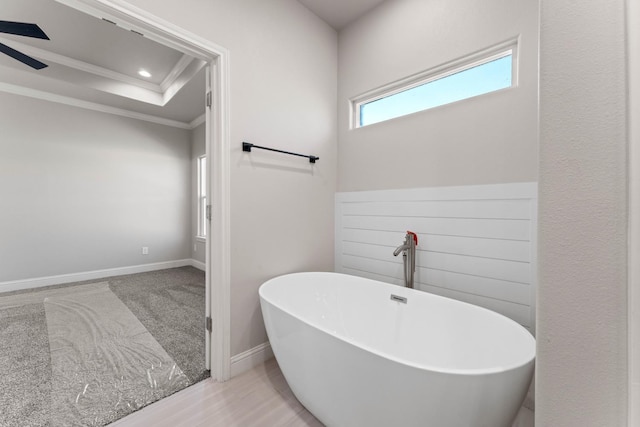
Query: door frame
633, 129
218, 159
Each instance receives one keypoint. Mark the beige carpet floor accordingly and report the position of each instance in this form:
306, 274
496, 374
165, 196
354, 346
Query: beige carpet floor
87, 354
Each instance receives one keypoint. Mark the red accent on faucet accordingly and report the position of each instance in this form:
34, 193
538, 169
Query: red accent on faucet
415, 236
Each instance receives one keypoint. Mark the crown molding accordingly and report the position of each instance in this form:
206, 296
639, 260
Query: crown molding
175, 72
87, 105
198, 121
82, 66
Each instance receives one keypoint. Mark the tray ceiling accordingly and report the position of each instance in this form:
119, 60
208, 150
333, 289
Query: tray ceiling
96, 62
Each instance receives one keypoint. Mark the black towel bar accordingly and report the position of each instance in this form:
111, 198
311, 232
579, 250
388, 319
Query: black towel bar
247, 147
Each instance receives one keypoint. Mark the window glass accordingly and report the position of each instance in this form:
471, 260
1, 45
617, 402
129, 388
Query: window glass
464, 83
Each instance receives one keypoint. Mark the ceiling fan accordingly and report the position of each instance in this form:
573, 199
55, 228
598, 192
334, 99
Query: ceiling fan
22, 29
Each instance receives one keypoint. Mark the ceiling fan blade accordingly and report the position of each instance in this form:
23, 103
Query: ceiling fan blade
33, 63
22, 29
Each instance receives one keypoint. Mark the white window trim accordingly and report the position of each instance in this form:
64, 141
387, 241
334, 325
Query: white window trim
509, 47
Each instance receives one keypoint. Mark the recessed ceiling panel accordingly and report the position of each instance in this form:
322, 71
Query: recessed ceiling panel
91, 40
98, 62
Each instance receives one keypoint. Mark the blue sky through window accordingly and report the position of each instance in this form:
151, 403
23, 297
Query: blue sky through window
481, 79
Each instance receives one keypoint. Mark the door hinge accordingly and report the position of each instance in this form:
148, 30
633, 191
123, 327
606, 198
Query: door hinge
209, 212
209, 324
209, 99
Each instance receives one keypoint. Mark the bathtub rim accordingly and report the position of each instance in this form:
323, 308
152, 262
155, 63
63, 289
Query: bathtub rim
450, 371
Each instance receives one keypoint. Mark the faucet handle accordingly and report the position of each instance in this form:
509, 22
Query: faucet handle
414, 235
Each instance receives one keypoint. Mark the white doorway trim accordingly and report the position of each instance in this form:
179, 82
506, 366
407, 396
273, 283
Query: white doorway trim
218, 136
633, 55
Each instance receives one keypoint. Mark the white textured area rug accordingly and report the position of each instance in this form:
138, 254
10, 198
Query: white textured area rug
104, 362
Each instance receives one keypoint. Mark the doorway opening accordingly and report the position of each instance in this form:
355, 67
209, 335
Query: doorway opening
110, 155
217, 154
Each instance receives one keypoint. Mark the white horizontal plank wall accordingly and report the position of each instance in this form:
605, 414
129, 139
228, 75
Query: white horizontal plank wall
475, 243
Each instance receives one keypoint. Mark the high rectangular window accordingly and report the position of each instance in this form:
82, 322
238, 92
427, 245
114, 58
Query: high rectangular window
202, 196
466, 78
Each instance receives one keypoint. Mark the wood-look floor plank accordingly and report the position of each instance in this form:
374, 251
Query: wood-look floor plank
260, 397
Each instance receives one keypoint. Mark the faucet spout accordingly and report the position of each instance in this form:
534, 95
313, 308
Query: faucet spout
400, 249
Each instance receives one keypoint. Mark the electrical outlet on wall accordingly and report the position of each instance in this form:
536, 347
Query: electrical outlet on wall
145, 250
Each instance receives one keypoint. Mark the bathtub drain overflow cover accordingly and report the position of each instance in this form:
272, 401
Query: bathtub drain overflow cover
398, 298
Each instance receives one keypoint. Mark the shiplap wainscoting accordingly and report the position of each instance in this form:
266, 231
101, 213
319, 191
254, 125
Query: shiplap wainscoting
475, 243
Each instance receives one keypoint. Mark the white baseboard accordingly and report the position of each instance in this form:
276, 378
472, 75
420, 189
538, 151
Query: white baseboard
198, 264
248, 359
39, 282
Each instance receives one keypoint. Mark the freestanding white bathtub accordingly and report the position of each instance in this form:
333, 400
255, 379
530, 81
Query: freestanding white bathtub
355, 356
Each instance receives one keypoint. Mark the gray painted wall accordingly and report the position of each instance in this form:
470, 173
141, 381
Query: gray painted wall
283, 94
582, 308
83, 191
485, 140
198, 148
